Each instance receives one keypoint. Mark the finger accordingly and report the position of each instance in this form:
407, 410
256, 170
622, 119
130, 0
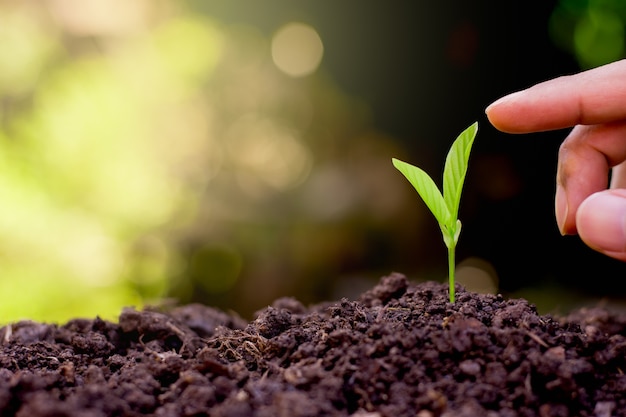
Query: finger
585, 158
591, 97
601, 221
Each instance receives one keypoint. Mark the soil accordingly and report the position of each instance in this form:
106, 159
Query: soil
400, 349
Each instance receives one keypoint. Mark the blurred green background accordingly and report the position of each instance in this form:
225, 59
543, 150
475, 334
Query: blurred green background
234, 152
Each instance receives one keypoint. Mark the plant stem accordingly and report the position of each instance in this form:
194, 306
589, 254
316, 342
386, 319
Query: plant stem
451, 266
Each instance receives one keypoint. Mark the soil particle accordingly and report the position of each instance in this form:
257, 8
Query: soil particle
400, 349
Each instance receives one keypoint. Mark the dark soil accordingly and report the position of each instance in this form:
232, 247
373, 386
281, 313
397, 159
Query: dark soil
399, 350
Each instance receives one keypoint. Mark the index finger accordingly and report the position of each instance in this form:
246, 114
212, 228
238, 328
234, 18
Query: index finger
591, 97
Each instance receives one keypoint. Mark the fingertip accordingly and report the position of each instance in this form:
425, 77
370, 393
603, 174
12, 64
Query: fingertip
501, 101
489, 110
601, 221
504, 113
493, 119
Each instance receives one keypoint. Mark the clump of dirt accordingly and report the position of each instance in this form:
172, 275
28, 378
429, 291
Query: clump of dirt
400, 349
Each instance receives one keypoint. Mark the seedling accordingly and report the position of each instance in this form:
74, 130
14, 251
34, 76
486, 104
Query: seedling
445, 207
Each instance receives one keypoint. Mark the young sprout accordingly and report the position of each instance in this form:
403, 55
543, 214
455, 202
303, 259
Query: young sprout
445, 207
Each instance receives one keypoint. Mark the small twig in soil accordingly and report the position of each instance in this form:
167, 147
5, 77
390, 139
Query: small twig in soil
537, 339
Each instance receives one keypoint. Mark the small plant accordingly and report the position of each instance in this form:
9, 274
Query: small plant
445, 207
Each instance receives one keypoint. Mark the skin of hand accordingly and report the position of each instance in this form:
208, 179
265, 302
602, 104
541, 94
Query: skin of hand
593, 102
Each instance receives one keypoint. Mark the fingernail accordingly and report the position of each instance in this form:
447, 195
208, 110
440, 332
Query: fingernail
601, 219
501, 100
560, 208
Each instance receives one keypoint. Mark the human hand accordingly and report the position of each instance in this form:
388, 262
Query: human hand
594, 103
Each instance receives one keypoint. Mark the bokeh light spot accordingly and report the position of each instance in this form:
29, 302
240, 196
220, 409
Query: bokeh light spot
478, 275
267, 153
203, 44
26, 48
297, 49
100, 17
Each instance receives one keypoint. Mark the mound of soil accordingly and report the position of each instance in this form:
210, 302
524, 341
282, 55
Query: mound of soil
400, 349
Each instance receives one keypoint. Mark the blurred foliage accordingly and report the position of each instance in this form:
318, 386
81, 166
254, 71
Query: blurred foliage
154, 152
592, 30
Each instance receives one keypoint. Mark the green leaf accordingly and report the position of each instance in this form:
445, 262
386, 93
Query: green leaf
456, 168
445, 207
426, 188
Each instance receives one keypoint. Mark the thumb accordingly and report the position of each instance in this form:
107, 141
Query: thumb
601, 222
